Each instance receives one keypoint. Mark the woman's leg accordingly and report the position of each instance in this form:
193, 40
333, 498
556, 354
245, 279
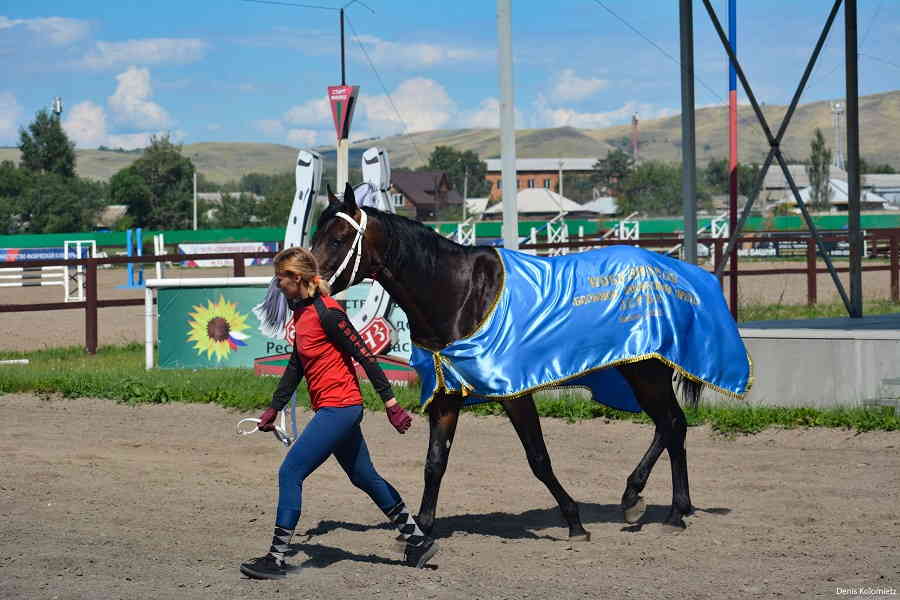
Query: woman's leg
321, 436
353, 455
318, 440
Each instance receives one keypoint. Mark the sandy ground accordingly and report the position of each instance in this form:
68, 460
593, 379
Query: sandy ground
100, 500
119, 325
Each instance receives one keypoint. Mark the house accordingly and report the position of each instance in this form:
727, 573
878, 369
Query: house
422, 195
838, 198
540, 203
537, 172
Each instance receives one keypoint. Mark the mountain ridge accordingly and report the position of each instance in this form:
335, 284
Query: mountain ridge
660, 139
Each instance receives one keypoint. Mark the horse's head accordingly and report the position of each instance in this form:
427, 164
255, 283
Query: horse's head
342, 244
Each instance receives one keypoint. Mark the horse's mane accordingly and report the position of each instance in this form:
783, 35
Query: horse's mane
410, 244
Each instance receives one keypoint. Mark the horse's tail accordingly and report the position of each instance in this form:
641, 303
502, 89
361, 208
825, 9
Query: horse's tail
691, 390
272, 312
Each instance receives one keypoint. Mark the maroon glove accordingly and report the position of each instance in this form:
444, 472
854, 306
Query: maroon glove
399, 418
267, 420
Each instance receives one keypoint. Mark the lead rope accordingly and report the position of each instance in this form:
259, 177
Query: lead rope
355, 247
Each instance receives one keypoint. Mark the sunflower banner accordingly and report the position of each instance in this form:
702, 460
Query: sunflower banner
211, 327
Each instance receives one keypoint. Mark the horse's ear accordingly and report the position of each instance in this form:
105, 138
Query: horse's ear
349, 205
332, 199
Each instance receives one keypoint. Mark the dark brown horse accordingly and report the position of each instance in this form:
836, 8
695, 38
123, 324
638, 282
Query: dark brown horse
446, 289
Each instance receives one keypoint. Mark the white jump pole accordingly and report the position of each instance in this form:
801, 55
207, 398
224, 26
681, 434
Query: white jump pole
148, 327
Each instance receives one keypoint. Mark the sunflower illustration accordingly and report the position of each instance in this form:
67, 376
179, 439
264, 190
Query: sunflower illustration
217, 328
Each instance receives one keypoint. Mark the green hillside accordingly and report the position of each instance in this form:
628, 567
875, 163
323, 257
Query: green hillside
660, 139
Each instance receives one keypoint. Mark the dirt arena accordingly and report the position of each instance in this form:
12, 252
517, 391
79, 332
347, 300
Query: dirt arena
101, 500
119, 325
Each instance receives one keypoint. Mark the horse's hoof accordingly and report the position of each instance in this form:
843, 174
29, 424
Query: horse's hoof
634, 513
582, 537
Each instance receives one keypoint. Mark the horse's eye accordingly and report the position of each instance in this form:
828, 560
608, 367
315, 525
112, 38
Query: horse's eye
334, 243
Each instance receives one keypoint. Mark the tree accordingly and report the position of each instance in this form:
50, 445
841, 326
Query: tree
716, 175
610, 172
157, 187
653, 188
456, 164
45, 146
882, 169
235, 210
55, 204
819, 172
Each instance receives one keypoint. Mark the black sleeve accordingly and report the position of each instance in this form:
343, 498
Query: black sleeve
343, 334
289, 382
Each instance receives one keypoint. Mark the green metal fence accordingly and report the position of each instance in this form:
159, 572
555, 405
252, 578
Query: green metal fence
483, 229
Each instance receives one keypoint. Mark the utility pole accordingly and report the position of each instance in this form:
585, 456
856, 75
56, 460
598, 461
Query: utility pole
851, 80
465, 192
507, 127
195, 198
560, 178
688, 141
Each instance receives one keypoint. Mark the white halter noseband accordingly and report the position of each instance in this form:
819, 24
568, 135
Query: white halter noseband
355, 247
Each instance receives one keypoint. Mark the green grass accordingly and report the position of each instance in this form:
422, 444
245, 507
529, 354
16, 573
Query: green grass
767, 312
117, 373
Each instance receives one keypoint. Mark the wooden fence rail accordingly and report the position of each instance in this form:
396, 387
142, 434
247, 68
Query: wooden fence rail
92, 303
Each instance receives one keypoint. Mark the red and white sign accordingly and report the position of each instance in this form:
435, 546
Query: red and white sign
343, 101
376, 335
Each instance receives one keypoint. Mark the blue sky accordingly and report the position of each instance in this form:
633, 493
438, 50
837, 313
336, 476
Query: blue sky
234, 70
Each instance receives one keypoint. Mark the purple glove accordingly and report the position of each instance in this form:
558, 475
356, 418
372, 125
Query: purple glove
399, 418
267, 420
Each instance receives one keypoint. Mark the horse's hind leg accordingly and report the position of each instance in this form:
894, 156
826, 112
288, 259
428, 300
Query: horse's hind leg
651, 381
523, 415
632, 503
443, 415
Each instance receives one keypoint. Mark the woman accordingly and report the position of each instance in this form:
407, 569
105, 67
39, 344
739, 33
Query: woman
324, 343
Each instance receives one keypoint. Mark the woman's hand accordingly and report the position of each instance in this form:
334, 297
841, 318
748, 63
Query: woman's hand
267, 420
397, 415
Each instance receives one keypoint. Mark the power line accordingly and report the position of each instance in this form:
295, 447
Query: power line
887, 62
860, 46
293, 4
658, 47
383, 87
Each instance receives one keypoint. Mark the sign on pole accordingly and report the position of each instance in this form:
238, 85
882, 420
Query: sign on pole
343, 101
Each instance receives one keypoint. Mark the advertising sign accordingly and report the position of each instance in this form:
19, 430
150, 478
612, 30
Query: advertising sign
16, 254
211, 327
214, 327
796, 245
343, 102
224, 248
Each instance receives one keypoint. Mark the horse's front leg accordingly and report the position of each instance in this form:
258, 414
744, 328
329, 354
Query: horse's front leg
443, 414
523, 414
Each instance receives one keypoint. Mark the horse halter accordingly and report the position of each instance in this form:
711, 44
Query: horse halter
355, 247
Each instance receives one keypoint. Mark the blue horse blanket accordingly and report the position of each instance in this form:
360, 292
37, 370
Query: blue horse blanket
562, 321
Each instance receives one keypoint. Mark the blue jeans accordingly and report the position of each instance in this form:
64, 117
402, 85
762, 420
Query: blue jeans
330, 431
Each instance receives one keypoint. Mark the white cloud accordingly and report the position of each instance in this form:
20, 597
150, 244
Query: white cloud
130, 141
11, 114
487, 115
423, 104
315, 112
549, 116
418, 55
302, 137
571, 88
131, 103
270, 127
57, 31
149, 51
85, 124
